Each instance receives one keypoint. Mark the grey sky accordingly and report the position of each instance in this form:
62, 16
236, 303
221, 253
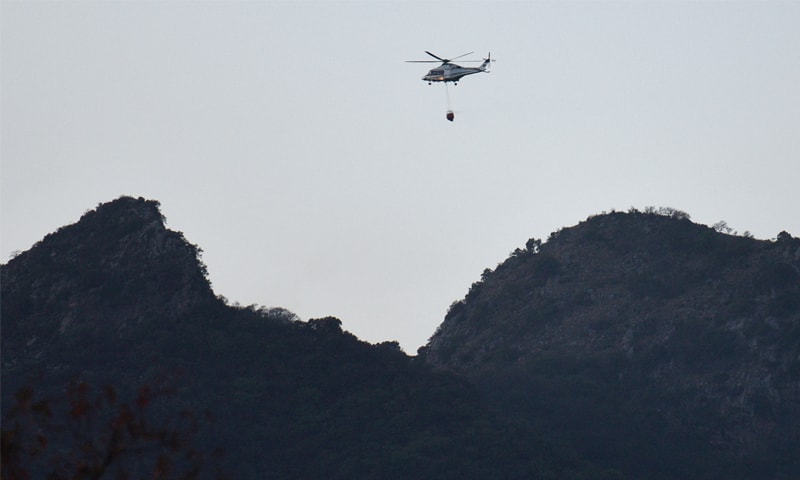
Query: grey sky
291, 142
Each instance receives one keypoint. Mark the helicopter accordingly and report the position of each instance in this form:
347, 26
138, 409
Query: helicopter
450, 72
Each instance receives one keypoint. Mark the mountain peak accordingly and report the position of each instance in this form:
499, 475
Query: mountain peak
127, 209
117, 267
606, 281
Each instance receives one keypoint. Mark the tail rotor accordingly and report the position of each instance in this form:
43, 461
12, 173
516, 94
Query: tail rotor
487, 61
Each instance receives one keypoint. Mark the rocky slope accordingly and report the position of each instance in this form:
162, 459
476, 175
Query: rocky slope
662, 346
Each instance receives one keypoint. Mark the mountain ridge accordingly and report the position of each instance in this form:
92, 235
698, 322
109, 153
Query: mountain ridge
118, 304
633, 345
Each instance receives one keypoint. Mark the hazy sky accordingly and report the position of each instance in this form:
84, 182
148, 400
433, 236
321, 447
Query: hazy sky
317, 171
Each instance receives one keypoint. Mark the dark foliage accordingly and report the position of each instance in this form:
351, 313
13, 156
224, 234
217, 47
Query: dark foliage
92, 435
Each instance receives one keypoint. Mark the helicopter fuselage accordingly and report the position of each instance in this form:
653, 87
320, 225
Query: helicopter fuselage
450, 72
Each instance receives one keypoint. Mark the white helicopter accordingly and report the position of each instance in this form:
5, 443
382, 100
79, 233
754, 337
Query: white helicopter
450, 72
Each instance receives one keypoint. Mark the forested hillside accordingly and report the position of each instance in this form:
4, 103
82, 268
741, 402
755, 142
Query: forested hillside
651, 345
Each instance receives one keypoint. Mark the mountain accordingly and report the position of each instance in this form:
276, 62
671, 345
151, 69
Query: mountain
102, 281
119, 361
633, 345
651, 345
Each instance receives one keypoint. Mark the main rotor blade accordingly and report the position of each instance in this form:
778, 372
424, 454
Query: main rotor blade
440, 59
437, 58
470, 53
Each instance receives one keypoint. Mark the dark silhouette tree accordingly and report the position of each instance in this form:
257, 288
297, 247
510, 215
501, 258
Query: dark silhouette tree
92, 435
